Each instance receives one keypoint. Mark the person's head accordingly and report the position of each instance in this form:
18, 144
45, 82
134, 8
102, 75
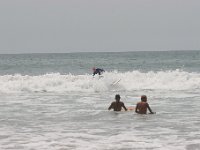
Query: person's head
93, 68
117, 97
143, 98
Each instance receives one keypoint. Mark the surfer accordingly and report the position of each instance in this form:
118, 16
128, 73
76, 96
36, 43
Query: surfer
141, 107
117, 105
97, 71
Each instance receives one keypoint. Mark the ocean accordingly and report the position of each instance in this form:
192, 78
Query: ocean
52, 101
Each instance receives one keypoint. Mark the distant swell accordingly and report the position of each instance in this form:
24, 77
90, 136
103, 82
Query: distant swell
130, 81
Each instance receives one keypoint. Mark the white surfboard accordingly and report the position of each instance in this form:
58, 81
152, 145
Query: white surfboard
115, 82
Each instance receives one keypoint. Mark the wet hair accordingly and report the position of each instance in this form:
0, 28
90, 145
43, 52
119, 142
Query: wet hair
117, 96
144, 98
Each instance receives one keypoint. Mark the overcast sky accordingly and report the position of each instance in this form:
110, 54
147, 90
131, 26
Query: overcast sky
32, 26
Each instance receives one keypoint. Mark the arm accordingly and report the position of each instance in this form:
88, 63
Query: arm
110, 107
136, 109
124, 107
151, 112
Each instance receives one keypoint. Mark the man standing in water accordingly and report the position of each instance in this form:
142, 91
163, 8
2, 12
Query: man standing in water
141, 107
117, 105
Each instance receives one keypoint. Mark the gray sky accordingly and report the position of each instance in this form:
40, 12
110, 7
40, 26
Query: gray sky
31, 26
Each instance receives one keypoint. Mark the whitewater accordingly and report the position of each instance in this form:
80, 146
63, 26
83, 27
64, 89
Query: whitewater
52, 101
130, 81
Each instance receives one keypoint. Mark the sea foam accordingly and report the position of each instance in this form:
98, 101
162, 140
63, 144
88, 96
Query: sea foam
130, 81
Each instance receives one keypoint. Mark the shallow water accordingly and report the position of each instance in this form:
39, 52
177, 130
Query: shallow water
62, 111
63, 121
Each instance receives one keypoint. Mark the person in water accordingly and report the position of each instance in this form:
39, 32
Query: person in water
141, 107
117, 105
97, 71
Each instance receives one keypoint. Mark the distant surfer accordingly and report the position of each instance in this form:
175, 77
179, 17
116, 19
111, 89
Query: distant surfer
97, 71
141, 107
117, 105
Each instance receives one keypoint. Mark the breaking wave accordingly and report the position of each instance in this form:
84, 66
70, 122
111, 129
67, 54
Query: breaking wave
128, 81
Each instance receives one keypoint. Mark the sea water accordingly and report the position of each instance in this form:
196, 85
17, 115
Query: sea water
52, 101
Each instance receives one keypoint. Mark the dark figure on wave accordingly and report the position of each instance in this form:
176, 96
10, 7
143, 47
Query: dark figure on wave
97, 71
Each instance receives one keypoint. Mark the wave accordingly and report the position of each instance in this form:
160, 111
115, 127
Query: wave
130, 81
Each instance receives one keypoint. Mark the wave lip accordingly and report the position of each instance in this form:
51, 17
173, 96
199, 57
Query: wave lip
130, 81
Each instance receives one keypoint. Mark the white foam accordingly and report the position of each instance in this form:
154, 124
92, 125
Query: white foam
130, 81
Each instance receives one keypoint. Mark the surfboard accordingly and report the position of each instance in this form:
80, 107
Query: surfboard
115, 82
129, 108
100, 76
